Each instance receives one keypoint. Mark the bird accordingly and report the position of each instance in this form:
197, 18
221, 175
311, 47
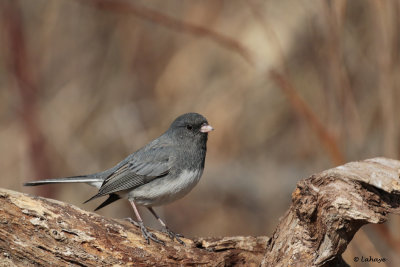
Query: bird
164, 170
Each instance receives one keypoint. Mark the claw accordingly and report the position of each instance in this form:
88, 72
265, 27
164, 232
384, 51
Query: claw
148, 235
132, 221
173, 236
145, 233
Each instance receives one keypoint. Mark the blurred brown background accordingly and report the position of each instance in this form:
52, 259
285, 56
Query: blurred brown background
291, 87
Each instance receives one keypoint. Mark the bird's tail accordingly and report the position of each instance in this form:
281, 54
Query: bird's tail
89, 179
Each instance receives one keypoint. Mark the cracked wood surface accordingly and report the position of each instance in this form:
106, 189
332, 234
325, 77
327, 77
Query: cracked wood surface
327, 210
39, 231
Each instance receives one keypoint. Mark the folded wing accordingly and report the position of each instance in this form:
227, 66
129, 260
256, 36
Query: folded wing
147, 164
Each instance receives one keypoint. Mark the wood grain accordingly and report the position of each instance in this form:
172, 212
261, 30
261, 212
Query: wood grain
327, 209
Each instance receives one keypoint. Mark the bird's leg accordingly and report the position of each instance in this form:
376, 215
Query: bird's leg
145, 232
171, 234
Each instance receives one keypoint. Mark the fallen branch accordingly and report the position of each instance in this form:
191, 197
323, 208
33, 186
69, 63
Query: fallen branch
327, 210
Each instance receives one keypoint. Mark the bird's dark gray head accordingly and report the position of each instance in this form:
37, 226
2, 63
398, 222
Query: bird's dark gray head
190, 125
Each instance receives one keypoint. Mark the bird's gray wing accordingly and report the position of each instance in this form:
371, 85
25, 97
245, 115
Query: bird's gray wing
151, 162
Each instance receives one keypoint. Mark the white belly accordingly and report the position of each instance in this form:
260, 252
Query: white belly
165, 190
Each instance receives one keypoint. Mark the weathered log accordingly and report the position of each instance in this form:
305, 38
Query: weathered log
327, 210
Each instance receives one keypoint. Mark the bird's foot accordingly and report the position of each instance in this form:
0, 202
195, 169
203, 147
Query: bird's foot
132, 221
148, 235
173, 235
145, 232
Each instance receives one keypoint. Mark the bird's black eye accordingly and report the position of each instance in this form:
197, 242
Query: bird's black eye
189, 127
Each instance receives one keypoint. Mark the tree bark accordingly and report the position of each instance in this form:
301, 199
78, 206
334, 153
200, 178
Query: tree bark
327, 210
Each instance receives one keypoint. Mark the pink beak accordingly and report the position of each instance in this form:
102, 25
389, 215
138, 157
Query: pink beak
206, 128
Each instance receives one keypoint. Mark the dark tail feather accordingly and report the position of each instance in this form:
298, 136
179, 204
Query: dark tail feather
111, 198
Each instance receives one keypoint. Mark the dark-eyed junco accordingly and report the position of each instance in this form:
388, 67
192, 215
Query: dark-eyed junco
163, 171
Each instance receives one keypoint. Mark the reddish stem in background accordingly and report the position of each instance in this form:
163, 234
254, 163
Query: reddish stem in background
173, 23
305, 112
20, 66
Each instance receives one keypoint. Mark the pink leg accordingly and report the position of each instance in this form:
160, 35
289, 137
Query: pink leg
146, 234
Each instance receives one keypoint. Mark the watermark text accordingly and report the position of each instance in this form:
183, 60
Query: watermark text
369, 259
